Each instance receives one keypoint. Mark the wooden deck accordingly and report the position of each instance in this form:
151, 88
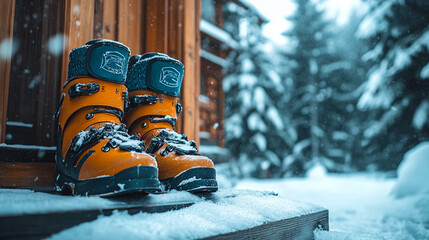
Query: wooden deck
37, 226
293, 228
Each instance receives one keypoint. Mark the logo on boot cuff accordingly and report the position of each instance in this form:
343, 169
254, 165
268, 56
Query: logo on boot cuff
169, 77
113, 62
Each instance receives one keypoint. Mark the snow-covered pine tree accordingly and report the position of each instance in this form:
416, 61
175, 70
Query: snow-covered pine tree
310, 35
339, 94
396, 93
254, 127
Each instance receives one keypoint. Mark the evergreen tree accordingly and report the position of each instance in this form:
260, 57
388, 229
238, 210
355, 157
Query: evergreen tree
255, 130
396, 92
339, 94
311, 54
326, 77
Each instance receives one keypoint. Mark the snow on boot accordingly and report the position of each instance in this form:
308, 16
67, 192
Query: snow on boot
153, 82
95, 154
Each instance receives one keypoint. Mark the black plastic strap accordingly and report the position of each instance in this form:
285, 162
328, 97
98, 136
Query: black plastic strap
155, 144
179, 108
166, 119
126, 100
117, 113
57, 112
80, 89
140, 100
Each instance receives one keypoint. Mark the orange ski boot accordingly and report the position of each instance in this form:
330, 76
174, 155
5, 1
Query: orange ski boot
95, 154
154, 81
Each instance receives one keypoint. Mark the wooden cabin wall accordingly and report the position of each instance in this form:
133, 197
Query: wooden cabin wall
212, 112
35, 70
167, 26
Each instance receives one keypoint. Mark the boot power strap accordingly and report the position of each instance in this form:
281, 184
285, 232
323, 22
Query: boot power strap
100, 58
103, 94
78, 89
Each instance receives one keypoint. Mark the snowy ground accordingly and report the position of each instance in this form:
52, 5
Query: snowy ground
365, 206
360, 206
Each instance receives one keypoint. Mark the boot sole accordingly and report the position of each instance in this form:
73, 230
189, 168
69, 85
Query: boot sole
199, 179
143, 179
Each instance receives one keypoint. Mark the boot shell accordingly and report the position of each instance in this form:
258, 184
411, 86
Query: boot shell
153, 115
111, 163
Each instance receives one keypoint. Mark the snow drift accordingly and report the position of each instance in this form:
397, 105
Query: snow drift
413, 172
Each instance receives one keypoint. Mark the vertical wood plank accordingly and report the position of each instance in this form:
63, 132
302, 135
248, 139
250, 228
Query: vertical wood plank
175, 29
98, 19
50, 74
221, 117
78, 27
219, 13
110, 19
130, 24
191, 60
43, 97
156, 29
6, 34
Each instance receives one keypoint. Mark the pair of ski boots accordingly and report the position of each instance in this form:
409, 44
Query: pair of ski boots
96, 155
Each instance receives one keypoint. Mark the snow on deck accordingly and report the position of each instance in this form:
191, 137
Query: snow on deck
231, 211
21, 201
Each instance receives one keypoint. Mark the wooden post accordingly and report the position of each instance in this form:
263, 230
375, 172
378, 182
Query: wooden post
6, 36
191, 60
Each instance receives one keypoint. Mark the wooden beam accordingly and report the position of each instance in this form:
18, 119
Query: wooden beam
25, 153
6, 37
78, 27
36, 176
156, 25
130, 24
293, 228
191, 60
